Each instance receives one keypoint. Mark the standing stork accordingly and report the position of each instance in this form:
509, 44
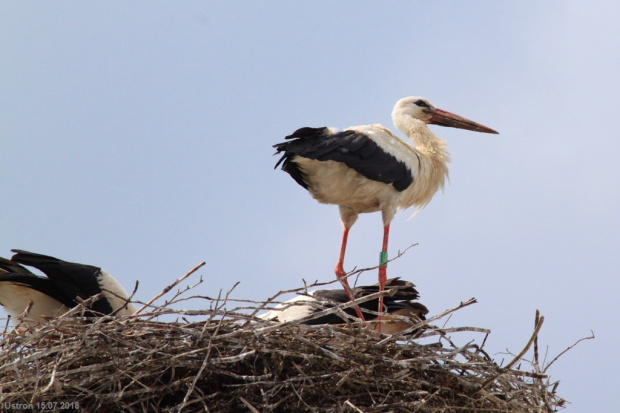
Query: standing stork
66, 285
368, 168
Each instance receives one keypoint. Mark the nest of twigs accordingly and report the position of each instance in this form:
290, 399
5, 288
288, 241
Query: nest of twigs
225, 360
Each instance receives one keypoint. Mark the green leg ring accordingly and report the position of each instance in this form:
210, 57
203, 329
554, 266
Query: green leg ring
383, 258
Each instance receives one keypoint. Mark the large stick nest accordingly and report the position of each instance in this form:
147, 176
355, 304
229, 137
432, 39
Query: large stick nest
225, 360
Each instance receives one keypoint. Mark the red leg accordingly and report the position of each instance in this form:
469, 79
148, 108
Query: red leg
383, 257
340, 273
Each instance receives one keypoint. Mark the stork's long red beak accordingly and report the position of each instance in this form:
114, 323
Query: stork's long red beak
443, 118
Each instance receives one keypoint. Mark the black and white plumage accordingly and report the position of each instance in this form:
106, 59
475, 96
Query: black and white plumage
369, 169
66, 284
399, 304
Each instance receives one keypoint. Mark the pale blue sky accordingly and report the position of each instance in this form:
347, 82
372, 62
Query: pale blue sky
137, 136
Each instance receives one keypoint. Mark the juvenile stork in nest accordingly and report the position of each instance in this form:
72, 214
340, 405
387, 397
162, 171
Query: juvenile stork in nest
368, 168
35, 298
401, 312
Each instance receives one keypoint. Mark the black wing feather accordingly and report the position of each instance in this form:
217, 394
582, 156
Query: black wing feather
400, 300
11, 267
353, 148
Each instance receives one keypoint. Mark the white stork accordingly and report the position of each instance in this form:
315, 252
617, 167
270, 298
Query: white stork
398, 304
66, 284
368, 168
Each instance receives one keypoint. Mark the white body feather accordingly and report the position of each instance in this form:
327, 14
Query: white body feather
297, 307
115, 294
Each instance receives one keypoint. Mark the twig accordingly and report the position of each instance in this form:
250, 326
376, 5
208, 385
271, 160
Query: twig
170, 287
590, 337
536, 321
354, 407
249, 405
537, 328
362, 270
127, 300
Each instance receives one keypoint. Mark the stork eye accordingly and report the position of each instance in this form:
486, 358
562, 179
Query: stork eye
421, 103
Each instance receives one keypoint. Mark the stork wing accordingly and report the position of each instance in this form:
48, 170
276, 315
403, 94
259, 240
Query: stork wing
72, 279
40, 284
353, 148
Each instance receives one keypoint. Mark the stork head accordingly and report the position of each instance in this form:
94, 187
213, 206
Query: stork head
419, 108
